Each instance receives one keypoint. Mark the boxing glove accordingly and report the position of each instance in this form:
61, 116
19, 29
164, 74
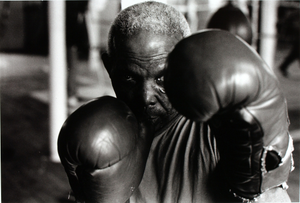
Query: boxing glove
103, 150
232, 19
215, 77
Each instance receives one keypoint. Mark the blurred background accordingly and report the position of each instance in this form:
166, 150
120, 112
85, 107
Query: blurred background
50, 65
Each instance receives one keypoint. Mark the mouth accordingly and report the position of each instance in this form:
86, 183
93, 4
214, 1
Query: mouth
151, 113
153, 118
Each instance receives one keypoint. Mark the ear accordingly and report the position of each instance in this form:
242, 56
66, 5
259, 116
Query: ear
107, 62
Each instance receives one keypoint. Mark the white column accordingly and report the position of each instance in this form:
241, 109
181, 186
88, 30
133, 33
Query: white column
58, 73
93, 22
268, 31
214, 5
255, 23
192, 15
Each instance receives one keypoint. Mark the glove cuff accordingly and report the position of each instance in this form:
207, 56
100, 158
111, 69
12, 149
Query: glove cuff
271, 178
278, 176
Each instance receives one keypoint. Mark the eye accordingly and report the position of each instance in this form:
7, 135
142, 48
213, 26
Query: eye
129, 79
160, 81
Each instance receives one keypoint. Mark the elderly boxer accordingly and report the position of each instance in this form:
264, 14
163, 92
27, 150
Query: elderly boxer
182, 163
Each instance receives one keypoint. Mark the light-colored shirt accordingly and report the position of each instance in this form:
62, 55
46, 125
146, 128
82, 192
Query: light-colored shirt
180, 166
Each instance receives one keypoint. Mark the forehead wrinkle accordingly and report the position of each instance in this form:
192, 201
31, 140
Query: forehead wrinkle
152, 67
145, 58
138, 70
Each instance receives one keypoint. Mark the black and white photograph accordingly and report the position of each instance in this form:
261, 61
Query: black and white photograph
150, 101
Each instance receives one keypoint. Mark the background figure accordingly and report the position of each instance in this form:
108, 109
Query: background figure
77, 42
93, 22
232, 19
294, 54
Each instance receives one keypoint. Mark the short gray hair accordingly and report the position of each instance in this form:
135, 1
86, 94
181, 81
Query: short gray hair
151, 16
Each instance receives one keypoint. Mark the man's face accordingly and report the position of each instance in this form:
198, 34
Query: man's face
138, 75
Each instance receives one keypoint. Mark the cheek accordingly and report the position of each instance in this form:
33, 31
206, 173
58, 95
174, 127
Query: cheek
119, 89
165, 103
123, 93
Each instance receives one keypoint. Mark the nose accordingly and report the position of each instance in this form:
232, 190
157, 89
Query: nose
148, 94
